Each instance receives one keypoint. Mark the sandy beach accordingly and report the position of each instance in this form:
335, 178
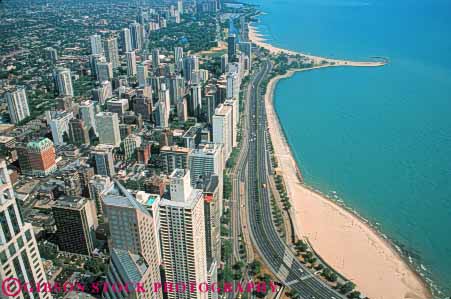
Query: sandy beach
258, 39
341, 238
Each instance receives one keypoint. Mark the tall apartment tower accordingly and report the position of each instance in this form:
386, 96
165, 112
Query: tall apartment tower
205, 161
142, 75
137, 35
178, 58
87, 114
78, 132
182, 234
155, 58
126, 40
223, 129
112, 51
99, 186
59, 125
76, 222
19, 254
132, 238
131, 63
108, 128
231, 47
17, 105
63, 82
96, 44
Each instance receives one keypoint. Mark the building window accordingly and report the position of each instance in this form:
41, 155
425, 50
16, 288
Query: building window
3, 257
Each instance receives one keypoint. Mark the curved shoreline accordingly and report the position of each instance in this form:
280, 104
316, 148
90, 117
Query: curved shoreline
330, 227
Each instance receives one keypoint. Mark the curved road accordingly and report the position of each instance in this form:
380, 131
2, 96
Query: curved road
274, 251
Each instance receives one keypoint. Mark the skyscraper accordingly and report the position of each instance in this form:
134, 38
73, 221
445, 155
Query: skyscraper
190, 65
96, 44
87, 114
182, 231
231, 47
104, 71
63, 82
59, 125
107, 124
223, 129
143, 105
142, 75
19, 254
126, 40
131, 63
17, 105
137, 35
78, 132
206, 161
76, 222
178, 58
103, 157
233, 85
155, 58
111, 51
224, 62
133, 234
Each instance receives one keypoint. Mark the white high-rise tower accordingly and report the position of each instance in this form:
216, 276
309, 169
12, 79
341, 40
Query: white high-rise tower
19, 254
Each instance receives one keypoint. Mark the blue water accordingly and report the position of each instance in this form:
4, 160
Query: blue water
380, 137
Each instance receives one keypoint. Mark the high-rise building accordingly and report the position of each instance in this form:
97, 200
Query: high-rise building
17, 105
196, 100
103, 157
176, 88
224, 62
132, 230
182, 234
63, 82
233, 85
126, 40
76, 222
87, 113
143, 105
37, 158
107, 124
59, 125
111, 51
206, 161
99, 186
103, 92
174, 157
104, 71
137, 35
131, 63
78, 132
19, 254
231, 47
233, 102
182, 109
190, 65
178, 58
96, 44
180, 6
246, 48
223, 129
155, 58
212, 206
142, 75
51, 54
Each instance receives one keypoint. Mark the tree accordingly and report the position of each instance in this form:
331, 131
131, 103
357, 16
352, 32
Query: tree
347, 287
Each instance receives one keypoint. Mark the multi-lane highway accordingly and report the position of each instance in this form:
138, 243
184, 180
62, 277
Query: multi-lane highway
273, 250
